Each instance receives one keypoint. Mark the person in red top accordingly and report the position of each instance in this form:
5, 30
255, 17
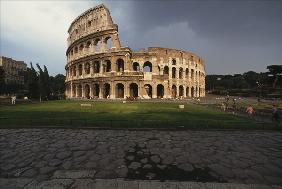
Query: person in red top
250, 110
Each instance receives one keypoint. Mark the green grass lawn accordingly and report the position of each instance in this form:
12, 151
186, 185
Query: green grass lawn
117, 114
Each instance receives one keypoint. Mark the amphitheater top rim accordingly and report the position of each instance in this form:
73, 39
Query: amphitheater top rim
86, 12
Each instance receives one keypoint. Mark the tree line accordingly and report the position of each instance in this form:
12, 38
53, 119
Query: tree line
38, 84
248, 84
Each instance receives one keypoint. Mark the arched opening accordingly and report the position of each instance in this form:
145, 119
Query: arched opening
120, 65
97, 45
119, 90
133, 88
166, 70
147, 67
87, 68
192, 92
180, 73
192, 74
187, 91
79, 91
173, 72
74, 71
81, 48
108, 42
88, 45
181, 91
136, 66
74, 91
107, 66
96, 90
187, 72
148, 90
107, 89
76, 50
173, 62
96, 67
173, 91
80, 69
87, 91
160, 91
196, 93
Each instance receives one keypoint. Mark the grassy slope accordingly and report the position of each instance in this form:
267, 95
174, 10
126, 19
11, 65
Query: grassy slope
135, 114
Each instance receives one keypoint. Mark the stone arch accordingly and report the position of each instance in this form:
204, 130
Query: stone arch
87, 68
74, 91
96, 66
187, 92
173, 91
108, 42
80, 69
148, 90
75, 49
147, 67
166, 70
173, 62
180, 73
96, 90
81, 47
107, 66
160, 91
87, 91
181, 91
136, 66
133, 89
119, 90
79, 91
187, 72
107, 90
120, 65
74, 70
173, 75
192, 92
97, 44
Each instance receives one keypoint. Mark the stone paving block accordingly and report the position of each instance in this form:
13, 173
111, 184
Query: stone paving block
74, 174
170, 185
52, 184
150, 184
13, 183
105, 184
83, 184
191, 185
122, 184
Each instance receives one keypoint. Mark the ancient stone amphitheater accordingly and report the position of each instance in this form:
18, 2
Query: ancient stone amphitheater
99, 67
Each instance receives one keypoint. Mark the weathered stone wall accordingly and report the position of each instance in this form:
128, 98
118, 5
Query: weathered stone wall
98, 67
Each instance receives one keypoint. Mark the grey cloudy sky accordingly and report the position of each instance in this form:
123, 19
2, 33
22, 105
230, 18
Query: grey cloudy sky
231, 36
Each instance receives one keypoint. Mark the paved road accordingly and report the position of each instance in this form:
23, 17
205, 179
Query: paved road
242, 157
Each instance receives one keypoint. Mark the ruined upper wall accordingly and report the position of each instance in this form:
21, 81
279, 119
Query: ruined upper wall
96, 19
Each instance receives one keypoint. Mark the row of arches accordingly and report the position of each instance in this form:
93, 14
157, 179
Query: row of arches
119, 90
96, 45
106, 66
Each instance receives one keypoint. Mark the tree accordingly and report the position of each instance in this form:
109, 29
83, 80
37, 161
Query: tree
32, 82
2, 81
46, 81
276, 71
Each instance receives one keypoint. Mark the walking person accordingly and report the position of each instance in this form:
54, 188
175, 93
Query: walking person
275, 115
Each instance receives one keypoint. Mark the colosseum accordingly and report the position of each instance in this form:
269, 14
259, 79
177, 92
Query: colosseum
99, 67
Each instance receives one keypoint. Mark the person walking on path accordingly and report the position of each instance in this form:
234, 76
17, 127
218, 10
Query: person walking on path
250, 110
275, 115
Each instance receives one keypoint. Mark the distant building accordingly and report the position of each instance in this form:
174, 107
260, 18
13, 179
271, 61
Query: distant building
13, 70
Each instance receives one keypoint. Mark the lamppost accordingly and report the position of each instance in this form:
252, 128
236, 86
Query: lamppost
259, 87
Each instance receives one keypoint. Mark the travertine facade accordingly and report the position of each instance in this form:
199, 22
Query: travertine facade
98, 67
13, 70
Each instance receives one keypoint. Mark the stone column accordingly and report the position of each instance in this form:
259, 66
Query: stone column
126, 89
184, 91
177, 73
91, 90
103, 45
113, 91
101, 67
101, 91
82, 91
91, 68
76, 88
154, 91
115, 41
177, 91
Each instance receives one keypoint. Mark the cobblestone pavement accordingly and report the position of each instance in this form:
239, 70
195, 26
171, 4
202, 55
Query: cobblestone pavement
51, 155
